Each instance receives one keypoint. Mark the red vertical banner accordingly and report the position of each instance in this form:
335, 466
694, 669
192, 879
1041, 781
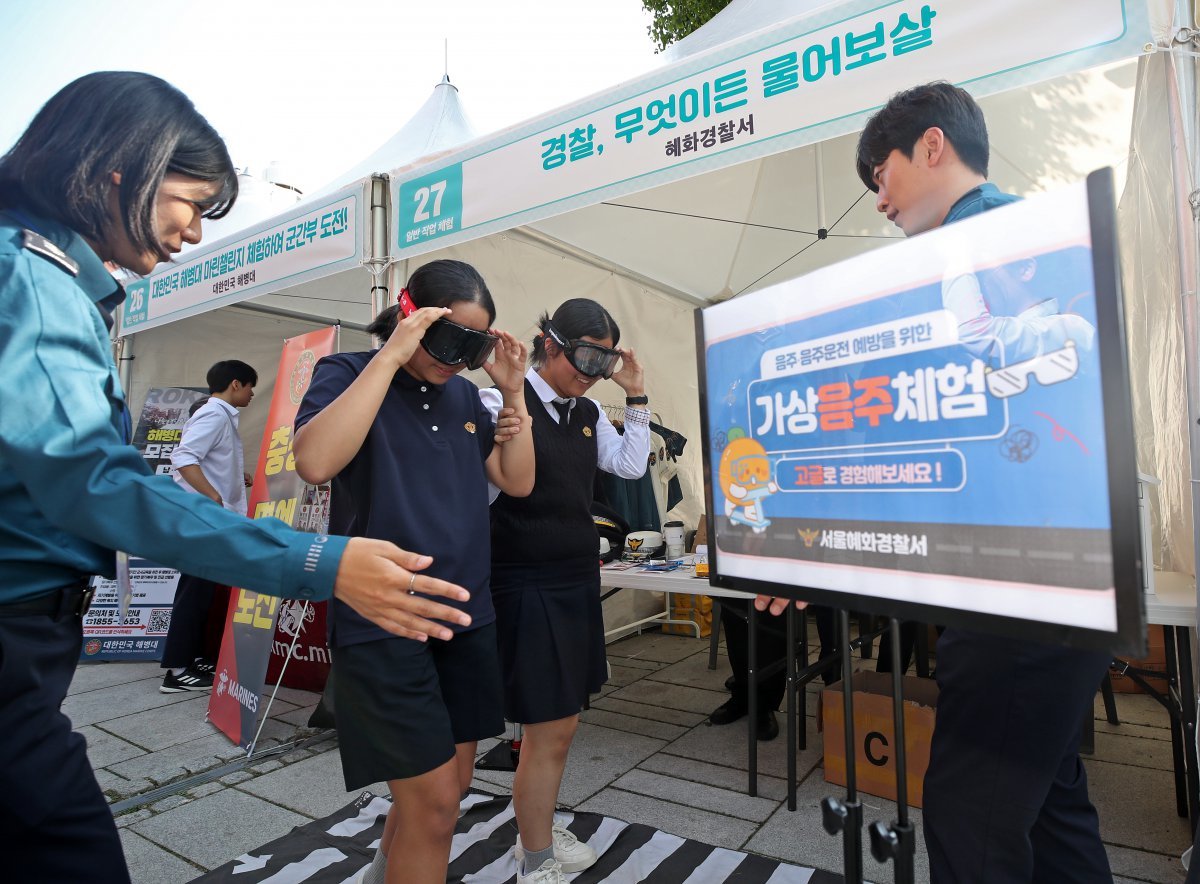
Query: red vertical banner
250, 628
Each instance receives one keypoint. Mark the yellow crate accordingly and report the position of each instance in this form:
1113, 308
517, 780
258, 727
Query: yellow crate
696, 608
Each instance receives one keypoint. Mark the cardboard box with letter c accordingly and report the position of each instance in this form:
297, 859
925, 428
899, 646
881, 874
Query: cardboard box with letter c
874, 733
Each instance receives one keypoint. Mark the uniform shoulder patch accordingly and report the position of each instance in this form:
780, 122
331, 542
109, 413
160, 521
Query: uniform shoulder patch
38, 244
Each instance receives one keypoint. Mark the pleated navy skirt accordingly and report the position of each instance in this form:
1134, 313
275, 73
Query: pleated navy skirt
551, 637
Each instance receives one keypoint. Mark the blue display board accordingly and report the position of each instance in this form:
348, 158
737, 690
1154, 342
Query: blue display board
940, 424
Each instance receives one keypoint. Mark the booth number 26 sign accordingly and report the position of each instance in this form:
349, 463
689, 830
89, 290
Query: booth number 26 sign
430, 206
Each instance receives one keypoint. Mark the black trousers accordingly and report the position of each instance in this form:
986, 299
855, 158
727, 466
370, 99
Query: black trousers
828, 632
1006, 794
189, 617
772, 648
55, 826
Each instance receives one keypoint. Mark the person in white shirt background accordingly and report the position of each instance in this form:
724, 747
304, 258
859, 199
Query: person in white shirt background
208, 460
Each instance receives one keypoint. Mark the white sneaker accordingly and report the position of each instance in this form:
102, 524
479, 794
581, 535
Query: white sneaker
549, 872
570, 853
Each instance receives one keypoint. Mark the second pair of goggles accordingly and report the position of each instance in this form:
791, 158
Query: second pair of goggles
450, 343
587, 358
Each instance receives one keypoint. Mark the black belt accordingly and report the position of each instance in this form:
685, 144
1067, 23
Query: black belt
74, 599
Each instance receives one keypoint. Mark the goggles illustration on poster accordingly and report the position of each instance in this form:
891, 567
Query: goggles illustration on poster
928, 425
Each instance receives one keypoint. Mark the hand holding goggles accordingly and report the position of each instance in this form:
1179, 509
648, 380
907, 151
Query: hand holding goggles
587, 358
450, 343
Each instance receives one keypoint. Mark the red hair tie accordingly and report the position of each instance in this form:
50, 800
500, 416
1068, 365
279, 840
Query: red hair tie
404, 299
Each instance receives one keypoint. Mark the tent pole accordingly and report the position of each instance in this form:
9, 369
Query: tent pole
820, 172
1184, 121
380, 258
125, 357
296, 314
537, 238
1181, 110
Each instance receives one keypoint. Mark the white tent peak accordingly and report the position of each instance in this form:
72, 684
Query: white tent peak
438, 126
738, 19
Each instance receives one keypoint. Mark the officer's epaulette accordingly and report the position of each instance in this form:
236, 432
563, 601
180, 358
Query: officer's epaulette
38, 244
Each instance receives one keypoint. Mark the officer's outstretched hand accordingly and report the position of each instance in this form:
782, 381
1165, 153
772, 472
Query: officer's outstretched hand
374, 578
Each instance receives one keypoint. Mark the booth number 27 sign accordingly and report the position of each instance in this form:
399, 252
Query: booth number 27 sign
430, 206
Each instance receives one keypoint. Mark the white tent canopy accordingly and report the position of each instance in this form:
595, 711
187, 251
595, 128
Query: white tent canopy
565, 206
440, 125
701, 227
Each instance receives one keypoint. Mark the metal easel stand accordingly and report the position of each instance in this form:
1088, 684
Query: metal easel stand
846, 816
897, 842
267, 712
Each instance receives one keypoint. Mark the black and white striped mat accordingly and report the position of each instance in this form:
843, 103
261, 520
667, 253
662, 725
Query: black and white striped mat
333, 850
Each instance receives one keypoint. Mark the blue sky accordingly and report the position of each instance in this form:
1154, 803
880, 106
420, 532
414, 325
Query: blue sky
318, 84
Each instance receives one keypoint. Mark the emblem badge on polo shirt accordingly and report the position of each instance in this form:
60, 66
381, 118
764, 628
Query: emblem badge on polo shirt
587, 431
470, 426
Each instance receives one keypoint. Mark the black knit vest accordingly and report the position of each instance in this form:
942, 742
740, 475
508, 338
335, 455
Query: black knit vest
553, 523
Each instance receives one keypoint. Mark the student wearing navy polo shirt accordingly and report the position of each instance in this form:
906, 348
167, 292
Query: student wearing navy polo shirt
409, 448
545, 580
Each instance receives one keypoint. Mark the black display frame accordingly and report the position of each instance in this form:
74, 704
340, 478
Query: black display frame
1125, 533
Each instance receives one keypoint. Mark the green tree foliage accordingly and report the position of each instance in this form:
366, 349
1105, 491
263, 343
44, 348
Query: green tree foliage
675, 19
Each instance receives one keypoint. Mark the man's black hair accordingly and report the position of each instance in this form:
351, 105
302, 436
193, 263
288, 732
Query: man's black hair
113, 121
574, 319
221, 375
441, 283
900, 123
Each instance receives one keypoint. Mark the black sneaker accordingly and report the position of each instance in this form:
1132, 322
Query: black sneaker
188, 680
203, 667
768, 727
728, 712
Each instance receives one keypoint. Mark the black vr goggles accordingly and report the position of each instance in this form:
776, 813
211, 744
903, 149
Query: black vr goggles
450, 343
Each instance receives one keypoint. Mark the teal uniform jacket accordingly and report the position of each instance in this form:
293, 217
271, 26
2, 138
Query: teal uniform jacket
72, 489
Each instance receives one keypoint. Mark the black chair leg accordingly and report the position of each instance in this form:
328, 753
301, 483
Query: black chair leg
714, 637
1087, 740
866, 625
1110, 700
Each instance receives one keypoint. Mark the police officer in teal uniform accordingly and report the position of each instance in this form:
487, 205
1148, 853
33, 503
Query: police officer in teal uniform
116, 167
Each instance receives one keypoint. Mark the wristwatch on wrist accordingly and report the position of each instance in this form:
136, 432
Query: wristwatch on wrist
637, 400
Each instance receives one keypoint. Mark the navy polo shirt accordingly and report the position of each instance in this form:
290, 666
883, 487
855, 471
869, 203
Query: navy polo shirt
418, 481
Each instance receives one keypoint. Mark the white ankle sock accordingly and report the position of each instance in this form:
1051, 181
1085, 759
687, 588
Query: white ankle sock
535, 858
377, 870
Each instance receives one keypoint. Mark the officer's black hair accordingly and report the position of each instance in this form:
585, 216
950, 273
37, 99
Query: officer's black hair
224, 373
441, 283
114, 121
574, 319
900, 123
